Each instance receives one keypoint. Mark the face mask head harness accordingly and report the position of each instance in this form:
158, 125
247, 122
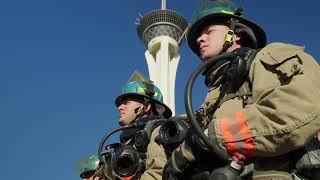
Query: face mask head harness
125, 159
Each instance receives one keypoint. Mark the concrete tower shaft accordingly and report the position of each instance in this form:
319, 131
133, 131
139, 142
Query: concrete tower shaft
162, 31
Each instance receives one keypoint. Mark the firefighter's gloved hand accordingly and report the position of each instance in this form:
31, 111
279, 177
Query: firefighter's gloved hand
310, 158
190, 151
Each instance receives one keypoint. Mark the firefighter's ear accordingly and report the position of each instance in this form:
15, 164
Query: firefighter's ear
147, 107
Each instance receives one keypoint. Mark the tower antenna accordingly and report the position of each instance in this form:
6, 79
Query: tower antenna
164, 5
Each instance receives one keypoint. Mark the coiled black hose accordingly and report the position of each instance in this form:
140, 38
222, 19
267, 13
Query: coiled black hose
214, 147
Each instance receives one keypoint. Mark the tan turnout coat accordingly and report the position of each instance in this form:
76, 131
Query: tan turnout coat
283, 115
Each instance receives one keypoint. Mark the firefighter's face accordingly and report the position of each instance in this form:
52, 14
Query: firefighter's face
127, 109
211, 41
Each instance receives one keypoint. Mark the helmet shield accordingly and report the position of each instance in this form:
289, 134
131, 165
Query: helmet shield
219, 11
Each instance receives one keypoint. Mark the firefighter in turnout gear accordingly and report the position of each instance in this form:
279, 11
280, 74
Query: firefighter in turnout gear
138, 156
263, 103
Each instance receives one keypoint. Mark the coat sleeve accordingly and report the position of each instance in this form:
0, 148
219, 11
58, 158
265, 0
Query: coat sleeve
285, 112
155, 159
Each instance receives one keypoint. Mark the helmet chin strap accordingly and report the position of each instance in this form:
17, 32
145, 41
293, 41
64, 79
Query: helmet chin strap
139, 111
228, 39
236, 27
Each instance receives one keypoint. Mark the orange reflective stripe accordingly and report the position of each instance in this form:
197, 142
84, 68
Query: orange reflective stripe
246, 135
127, 178
227, 135
236, 135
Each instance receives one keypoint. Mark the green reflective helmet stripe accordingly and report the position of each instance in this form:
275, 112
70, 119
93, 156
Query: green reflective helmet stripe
226, 12
140, 88
219, 11
143, 90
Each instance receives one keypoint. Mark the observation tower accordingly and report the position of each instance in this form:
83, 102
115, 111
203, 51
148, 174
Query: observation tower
162, 32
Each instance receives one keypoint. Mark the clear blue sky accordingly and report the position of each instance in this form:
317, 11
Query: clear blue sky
63, 62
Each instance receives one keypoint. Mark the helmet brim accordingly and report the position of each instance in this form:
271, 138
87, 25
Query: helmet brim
167, 111
196, 28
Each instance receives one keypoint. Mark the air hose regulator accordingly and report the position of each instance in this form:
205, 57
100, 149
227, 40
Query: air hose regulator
128, 159
125, 160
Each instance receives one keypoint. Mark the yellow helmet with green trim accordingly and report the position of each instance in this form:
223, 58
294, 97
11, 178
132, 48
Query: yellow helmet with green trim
141, 89
219, 11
